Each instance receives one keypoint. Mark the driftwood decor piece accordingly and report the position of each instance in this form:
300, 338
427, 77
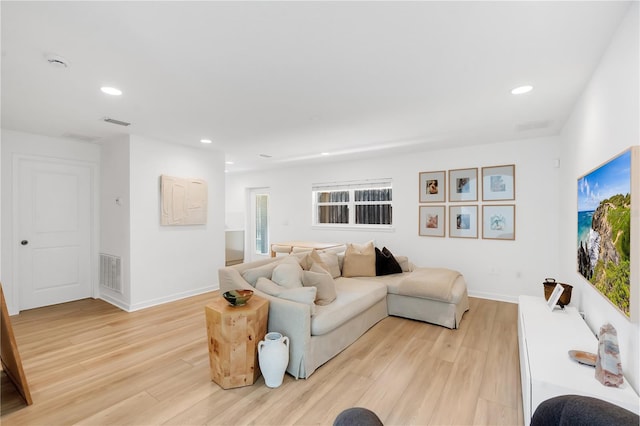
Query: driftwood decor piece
184, 201
11, 361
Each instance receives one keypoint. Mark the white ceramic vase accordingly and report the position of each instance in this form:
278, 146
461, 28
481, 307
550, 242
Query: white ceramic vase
273, 356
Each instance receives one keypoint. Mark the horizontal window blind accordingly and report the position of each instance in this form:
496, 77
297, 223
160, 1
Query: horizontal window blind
358, 203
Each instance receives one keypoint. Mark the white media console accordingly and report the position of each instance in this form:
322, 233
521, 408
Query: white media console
545, 337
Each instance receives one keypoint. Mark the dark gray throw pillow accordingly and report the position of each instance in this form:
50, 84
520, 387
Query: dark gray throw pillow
386, 264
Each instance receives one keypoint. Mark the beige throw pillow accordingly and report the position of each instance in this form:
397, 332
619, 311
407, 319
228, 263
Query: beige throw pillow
330, 260
305, 295
403, 261
265, 285
288, 274
252, 275
360, 260
319, 278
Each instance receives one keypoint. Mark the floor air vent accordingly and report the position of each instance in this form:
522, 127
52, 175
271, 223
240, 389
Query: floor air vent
110, 272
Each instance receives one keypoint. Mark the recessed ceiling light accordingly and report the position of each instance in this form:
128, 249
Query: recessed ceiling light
522, 89
228, 162
205, 140
111, 91
325, 153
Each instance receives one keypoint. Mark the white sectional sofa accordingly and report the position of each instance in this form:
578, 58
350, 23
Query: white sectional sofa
317, 333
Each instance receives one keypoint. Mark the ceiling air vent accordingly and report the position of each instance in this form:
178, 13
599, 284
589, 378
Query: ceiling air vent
114, 121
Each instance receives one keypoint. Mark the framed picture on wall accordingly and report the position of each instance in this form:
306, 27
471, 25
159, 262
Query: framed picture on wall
463, 185
499, 222
606, 228
432, 187
463, 221
499, 183
432, 221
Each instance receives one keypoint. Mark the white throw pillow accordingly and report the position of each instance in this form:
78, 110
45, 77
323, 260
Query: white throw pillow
288, 274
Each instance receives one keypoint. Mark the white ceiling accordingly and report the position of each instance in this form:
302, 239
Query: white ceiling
295, 79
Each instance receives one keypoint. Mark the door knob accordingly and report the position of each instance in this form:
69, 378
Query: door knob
24, 242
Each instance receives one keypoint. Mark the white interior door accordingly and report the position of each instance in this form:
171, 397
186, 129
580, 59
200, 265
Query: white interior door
53, 232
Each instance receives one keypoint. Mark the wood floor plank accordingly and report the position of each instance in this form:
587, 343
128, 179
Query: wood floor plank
395, 377
118, 414
456, 405
88, 362
480, 325
492, 413
419, 401
502, 360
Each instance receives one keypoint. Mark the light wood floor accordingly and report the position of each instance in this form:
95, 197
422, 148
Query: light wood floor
88, 362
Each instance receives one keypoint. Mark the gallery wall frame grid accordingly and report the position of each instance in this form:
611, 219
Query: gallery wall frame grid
491, 215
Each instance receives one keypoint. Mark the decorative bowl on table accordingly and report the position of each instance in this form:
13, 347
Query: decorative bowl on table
237, 297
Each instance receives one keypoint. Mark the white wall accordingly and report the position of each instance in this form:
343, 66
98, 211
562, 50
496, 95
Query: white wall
172, 262
520, 266
21, 144
115, 218
160, 264
604, 123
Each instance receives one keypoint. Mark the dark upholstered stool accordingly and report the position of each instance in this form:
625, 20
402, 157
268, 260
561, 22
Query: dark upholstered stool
574, 410
357, 416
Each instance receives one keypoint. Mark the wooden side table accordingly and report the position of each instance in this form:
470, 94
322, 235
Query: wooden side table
233, 334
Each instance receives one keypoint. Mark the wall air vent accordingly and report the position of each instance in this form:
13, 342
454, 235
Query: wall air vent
111, 272
114, 121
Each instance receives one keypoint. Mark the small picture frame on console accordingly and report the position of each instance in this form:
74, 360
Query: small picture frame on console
555, 296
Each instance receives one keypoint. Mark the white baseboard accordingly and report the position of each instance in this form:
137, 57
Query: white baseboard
171, 298
154, 302
114, 301
494, 296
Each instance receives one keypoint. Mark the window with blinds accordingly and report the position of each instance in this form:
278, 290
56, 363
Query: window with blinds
361, 203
